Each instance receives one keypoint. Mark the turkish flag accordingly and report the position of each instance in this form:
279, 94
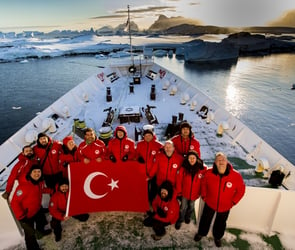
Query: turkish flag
107, 186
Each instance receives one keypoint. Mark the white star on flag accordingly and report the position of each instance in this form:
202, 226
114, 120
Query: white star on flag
113, 184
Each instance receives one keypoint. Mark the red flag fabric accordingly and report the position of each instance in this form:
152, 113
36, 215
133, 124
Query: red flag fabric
107, 186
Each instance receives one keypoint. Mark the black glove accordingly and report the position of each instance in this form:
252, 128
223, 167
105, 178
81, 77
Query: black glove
161, 212
125, 158
65, 164
25, 220
112, 158
140, 159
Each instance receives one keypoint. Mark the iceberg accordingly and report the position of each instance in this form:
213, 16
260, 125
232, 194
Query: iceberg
201, 51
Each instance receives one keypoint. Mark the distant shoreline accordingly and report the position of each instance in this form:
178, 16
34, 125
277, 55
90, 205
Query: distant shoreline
25, 46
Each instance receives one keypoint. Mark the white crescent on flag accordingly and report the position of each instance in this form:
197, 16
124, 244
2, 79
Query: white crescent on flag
87, 184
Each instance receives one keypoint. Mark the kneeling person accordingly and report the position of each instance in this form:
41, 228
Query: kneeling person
166, 210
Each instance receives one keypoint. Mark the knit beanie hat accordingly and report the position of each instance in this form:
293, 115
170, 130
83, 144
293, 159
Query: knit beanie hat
147, 131
63, 181
42, 135
66, 140
35, 166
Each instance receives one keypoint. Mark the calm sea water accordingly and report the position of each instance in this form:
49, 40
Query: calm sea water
257, 90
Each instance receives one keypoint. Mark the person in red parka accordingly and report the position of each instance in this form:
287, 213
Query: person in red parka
92, 148
20, 170
166, 210
120, 147
47, 151
69, 154
27, 208
57, 208
167, 164
146, 151
189, 185
185, 140
222, 187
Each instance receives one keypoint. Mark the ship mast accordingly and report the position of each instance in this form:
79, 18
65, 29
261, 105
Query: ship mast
129, 32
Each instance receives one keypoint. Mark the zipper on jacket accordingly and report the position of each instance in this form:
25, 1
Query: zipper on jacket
120, 149
191, 189
224, 186
218, 197
146, 158
167, 168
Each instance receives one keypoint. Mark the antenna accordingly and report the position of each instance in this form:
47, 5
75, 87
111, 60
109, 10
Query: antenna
129, 32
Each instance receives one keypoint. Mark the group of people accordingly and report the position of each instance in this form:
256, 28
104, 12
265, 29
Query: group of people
176, 176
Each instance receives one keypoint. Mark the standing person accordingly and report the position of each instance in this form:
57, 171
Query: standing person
47, 151
26, 206
146, 151
91, 148
20, 169
120, 147
222, 188
166, 209
167, 164
57, 208
185, 140
68, 154
189, 185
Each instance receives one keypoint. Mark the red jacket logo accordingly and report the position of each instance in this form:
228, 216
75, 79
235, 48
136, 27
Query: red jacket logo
19, 192
229, 184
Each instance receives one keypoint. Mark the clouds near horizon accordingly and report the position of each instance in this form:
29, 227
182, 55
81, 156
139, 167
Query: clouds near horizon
286, 20
78, 14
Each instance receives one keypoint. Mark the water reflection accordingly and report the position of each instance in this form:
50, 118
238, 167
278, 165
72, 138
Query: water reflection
233, 99
255, 89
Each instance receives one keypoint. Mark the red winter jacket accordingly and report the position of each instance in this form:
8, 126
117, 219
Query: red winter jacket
183, 146
171, 209
166, 168
92, 151
26, 201
188, 186
67, 157
222, 192
121, 147
148, 151
19, 171
51, 165
58, 205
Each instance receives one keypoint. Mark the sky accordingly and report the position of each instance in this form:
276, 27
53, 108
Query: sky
49, 15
